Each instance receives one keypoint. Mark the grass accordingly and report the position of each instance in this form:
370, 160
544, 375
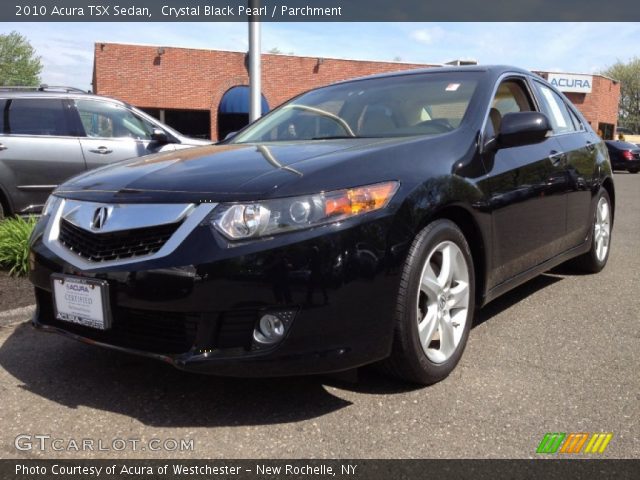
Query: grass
14, 244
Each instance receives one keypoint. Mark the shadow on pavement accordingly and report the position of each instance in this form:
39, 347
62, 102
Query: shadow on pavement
74, 374
516, 295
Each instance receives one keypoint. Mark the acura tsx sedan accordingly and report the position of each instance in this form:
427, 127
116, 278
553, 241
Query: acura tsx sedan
362, 222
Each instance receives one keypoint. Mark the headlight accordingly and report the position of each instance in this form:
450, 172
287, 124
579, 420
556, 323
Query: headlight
50, 205
270, 217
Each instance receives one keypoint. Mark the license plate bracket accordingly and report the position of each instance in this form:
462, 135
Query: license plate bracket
82, 301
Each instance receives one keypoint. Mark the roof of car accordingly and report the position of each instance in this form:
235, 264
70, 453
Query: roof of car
493, 69
621, 144
8, 92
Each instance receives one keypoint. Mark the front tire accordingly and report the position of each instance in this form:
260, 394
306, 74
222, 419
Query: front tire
596, 258
435, 305
634, 170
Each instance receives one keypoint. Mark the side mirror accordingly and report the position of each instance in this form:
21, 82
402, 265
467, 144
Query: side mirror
159, 136
230, 135
522, 128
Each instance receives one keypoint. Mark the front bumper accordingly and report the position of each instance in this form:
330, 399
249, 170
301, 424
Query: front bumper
337, 284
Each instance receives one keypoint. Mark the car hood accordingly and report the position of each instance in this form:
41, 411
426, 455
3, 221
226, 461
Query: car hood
214, 172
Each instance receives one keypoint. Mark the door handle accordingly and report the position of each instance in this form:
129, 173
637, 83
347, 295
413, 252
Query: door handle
590, 146
101, 150
556, 157
2, 147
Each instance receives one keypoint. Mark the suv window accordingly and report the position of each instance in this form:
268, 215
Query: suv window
3, 104
511, 97
35, 116
107, 120
554, 107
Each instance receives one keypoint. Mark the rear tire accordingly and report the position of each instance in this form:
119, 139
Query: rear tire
1, 211
634, 170
435, 306
596, 258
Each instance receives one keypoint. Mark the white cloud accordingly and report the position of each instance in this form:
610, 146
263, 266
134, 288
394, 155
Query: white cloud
427, 36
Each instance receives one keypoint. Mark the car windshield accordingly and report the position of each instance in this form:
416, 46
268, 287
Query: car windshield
403, 105
625, 145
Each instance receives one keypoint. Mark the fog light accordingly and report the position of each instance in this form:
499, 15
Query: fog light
270, 330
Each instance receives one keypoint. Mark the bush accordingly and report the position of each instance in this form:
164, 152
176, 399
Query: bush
14, 243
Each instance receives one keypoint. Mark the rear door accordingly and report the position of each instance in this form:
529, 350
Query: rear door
580, 147
114, 133
39, 150
527, 198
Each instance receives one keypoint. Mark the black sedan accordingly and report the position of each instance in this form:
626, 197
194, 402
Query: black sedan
624, 155
361, 222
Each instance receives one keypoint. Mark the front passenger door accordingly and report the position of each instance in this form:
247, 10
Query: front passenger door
114, 133
527, 197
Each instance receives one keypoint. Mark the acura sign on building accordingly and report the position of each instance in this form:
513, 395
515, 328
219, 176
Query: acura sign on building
567, 82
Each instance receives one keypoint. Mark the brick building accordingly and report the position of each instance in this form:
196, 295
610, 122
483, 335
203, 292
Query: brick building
192, 89
597, 97
185, 86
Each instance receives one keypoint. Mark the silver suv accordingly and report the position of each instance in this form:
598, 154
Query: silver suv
48, 134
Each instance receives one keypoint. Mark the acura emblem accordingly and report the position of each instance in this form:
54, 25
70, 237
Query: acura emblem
99, 218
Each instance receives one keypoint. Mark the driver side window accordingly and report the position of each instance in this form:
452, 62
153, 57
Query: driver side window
512, 96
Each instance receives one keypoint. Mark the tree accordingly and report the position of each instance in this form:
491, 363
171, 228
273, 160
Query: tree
628, 74
275, 51
19, 64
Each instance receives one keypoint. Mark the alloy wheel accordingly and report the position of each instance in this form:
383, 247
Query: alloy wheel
602, 229
443, 301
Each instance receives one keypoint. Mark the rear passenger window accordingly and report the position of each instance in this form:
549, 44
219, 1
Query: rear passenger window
36, 116
577, 123
554, 107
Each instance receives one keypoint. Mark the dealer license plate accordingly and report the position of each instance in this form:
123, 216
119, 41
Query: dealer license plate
84, 301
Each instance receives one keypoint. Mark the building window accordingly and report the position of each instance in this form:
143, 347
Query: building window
192, 123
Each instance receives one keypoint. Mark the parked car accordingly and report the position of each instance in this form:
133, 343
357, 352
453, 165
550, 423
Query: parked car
409, 199
49, 134
624, 131
624, 155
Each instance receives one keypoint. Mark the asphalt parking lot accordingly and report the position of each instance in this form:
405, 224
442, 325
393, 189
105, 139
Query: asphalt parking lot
559, 354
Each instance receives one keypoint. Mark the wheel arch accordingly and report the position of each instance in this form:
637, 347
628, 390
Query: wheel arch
473, 234
607, 184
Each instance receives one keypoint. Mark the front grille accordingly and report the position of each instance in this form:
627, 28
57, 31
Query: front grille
162, 332
102, 247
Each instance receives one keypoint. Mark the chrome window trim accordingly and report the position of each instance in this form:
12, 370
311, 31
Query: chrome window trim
193, 216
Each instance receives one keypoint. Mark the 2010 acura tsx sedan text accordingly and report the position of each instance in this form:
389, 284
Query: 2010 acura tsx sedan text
360, 222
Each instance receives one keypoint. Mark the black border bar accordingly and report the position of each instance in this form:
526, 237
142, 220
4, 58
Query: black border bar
320, 10
543, 468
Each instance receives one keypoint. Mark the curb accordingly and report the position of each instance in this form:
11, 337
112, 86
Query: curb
17, 315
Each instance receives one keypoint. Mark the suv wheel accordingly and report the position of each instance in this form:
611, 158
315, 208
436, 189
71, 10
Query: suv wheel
435, 305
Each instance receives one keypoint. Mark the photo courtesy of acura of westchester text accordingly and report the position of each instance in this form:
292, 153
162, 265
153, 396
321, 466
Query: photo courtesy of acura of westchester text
355, 234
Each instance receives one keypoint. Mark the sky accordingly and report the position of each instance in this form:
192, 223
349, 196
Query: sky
67, 48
